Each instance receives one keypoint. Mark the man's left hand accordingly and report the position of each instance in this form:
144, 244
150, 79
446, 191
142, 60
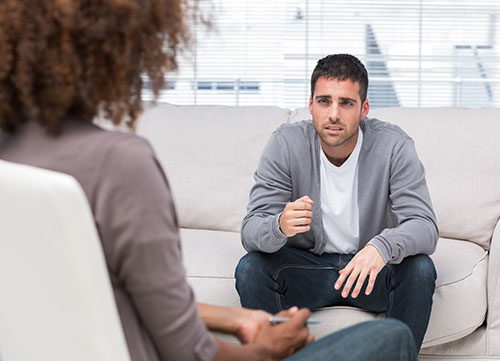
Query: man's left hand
366, 263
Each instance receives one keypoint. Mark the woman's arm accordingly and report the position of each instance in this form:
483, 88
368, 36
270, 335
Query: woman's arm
241, 322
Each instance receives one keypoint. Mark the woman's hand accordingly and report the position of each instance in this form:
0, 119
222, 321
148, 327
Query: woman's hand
283, 339
241, 322
250, 323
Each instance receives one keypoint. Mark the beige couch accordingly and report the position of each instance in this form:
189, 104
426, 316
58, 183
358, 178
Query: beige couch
210, 153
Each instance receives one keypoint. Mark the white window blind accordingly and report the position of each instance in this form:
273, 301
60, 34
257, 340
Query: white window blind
417, 52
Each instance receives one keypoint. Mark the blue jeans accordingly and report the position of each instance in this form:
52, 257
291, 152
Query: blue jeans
380, 340
295, 277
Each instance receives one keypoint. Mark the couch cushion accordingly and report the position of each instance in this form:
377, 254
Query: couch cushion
209, 154
459, 302
210, 258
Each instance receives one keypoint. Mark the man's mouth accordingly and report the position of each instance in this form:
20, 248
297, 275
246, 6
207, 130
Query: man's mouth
333, 129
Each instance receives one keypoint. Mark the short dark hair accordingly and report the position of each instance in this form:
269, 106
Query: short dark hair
341, 67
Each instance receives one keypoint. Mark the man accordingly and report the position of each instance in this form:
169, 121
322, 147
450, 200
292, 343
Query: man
340, 213
61, 62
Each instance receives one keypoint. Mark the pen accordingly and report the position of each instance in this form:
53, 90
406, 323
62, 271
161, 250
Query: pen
274, 320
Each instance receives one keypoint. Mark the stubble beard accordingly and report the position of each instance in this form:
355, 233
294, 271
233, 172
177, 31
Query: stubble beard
335, 140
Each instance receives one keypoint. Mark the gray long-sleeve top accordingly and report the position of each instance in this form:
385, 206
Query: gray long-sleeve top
395, 209
135, 216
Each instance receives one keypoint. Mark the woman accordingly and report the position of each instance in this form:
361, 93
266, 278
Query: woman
63, 62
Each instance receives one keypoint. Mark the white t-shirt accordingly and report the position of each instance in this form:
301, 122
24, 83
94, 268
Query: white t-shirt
339, 202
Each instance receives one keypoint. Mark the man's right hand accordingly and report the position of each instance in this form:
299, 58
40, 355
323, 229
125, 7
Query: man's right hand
296, 217
282, 340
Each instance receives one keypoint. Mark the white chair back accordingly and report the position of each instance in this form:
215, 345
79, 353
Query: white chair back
56, 301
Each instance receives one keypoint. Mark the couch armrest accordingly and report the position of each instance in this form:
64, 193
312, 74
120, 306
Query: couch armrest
493, 319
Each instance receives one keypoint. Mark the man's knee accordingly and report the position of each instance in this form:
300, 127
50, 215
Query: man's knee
249, 271
421, 270
254, 282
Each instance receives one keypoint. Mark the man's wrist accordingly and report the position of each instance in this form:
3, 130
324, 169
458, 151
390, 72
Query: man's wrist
279, 223
378, 251
281, 234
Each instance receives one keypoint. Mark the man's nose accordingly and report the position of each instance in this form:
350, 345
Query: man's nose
334, 113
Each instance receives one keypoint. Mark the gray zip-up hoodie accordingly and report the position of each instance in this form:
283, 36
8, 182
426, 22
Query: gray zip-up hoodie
395, 209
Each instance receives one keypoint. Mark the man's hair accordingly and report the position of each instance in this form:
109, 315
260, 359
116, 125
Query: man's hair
341, 67
80, 57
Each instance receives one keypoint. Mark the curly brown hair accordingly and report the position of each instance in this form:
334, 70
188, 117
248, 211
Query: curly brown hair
64, 57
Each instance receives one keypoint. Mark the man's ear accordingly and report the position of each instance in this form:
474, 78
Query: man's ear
311, 104
365, 108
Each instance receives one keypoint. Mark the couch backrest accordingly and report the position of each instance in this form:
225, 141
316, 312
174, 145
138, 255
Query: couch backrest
460, 150
209, 154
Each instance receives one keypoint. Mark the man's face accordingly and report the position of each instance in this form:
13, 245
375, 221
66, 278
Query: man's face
336, 110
